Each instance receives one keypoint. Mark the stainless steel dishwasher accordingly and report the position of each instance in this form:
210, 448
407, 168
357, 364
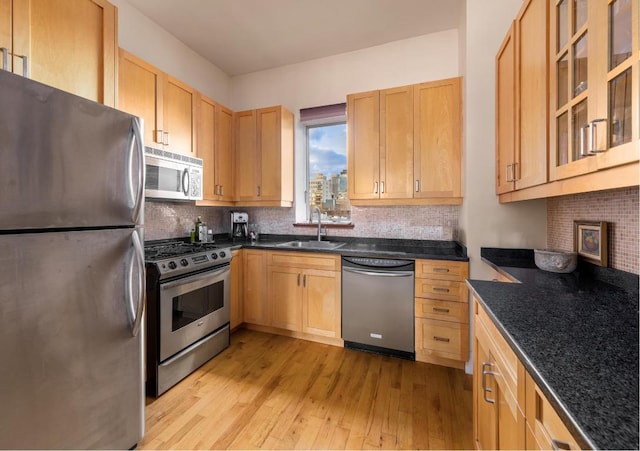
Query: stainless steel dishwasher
378, 305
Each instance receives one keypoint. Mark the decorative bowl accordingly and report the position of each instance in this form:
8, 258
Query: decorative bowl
555, 260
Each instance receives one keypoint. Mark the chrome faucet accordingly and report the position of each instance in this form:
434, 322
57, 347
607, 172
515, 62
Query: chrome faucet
319, 222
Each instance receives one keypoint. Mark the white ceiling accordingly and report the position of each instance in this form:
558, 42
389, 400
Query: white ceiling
243, 36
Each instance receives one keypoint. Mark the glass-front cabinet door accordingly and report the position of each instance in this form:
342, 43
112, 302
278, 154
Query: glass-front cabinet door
594, 85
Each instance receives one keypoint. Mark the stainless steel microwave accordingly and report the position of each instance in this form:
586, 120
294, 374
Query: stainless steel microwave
172, 176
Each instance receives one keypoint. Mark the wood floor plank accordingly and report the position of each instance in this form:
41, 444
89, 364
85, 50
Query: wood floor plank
273, 392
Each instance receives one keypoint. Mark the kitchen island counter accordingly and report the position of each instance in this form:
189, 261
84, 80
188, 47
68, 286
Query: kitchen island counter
577, 335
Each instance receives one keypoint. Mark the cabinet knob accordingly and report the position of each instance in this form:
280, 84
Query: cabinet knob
5, 58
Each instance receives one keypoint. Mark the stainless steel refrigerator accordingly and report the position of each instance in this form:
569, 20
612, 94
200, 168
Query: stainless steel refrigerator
71, 271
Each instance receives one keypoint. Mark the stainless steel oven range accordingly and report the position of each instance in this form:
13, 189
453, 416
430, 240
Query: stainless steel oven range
187, 309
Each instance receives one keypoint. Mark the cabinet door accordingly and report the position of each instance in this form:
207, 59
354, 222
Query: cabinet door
363, 145
224, 154
531, 87
268, 129
437, 139
485, 419
255, 305
140, 93
70, 45
236, 313
285, 297
396, 143
505, 113
247, 162
179, 117
321, 303
206, 147
6, 33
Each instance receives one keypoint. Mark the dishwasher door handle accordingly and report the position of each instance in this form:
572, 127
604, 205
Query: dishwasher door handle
381, 274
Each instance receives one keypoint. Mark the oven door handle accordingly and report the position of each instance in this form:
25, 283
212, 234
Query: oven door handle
195, 279
135, 313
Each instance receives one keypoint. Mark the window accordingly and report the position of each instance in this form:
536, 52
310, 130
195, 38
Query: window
326, 189
327, 173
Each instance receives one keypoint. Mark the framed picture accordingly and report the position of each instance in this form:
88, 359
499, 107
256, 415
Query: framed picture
591, 241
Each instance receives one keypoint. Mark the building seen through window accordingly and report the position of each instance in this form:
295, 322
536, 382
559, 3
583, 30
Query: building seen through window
327, 169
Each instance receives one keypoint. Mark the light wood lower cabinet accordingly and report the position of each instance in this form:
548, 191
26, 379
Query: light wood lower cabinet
441, 312
302, 295
545, 429
255, 287
236, 307
509, 410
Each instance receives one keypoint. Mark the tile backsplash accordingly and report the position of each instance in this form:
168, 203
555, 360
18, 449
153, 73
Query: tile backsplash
175, 219
619, 208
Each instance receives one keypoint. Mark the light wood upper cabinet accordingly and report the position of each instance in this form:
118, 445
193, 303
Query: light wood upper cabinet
215, 139
521, 101
404, 145
246, 159
592, 59
140, 93
595, 86
68, 44
438, 139
264, 157
363, 163
179, 117
167, 105
225, 154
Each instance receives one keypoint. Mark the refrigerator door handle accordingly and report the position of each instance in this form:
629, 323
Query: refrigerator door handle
136, 192
135, 313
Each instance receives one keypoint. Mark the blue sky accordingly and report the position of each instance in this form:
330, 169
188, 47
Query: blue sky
327, 149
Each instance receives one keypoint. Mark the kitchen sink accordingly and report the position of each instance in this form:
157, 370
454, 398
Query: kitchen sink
313, 244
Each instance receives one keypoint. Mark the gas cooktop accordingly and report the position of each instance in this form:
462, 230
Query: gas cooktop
173, 257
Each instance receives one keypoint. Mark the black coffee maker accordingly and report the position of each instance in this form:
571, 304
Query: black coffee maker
239, 225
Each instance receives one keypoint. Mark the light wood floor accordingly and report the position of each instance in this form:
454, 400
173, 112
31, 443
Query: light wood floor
274, 392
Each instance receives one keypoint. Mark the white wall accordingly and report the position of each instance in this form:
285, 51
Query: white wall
484, 221
328, 80
144, 38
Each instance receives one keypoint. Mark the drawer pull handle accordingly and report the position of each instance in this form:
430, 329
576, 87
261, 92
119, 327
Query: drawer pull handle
441, 290
558, 444
440, 310
440, 269
445, 340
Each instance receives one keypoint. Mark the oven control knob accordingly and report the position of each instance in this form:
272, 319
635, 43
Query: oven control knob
223, 254
184, 262
172, 265
214, 256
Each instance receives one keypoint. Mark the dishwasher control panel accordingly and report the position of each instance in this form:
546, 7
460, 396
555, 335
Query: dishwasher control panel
386, 263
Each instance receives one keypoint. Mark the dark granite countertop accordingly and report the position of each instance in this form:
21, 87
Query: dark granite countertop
362, 247
577, 334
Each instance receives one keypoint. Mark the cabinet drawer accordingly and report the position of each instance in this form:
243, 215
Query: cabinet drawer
547, 429
304, 260
442, 269
441, 339
442, 310
446, 290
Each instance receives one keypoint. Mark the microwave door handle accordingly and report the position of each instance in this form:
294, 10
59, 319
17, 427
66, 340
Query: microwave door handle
135, 313
136, 147
185, 181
